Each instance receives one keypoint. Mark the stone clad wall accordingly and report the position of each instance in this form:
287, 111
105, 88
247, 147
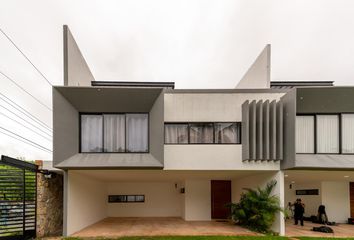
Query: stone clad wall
49, 205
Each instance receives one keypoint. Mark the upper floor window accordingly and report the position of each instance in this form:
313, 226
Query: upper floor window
203, 133
325, 133
114, 133
348, 133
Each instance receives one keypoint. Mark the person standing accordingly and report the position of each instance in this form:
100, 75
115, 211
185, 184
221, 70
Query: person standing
299, 210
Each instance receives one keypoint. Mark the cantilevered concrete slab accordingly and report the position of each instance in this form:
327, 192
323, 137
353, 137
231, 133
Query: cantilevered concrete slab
69, 102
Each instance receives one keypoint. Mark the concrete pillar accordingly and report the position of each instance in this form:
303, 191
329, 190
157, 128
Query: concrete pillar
279, 224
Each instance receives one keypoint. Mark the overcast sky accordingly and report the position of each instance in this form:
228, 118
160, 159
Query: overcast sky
197, 44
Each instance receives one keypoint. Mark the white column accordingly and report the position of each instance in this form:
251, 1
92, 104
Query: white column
279, 224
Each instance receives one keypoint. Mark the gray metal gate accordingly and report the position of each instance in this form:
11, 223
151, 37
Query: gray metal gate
18, 199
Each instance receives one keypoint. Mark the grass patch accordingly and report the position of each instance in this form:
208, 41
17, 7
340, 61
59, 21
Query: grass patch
322, 238
185, 238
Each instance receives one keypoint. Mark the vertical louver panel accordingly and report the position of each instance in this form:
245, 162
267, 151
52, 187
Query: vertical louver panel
252, 132
259, 130
266, 130
272, 130
279, 131
245, 129
262, 130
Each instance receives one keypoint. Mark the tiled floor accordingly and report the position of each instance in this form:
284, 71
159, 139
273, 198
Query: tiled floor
115, 227
342, 230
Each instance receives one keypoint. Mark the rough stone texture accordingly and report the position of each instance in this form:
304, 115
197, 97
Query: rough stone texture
49, 205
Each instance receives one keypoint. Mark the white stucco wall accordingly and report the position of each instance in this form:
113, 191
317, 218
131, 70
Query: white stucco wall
260, 180
211, 157
336, 198
210, 107
194, 107
162, 199
312, 202
197, 200
86, 199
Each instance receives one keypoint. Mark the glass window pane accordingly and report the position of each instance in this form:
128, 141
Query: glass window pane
227, 133
348, 133
130, 198
305, 140
114, 133
91, 133
327, 133
201, 133
140, 198
137, 132
176, 133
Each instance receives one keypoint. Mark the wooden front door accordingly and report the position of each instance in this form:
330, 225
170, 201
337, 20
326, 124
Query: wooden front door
220, 197
352, 199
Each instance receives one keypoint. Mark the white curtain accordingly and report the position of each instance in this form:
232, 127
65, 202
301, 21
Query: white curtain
176, 133
114, 132
137, 132
305, 135
327, 133
91, 133
227, 133
201, 133
348, 133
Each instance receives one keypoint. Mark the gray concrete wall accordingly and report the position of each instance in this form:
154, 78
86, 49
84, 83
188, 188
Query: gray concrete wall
325, 100
76, 70
289, 117
156, 128
68, 102
65, 129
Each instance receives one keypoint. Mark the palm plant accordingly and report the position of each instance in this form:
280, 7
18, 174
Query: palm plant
257, 208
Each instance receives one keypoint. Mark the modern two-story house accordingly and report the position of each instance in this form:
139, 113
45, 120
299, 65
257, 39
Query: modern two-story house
146, 149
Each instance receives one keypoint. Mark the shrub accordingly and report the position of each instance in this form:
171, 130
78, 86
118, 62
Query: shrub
257, 208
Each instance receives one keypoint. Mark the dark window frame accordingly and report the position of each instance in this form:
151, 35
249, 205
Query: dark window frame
340, 131
125, 130
213, 123
126, 198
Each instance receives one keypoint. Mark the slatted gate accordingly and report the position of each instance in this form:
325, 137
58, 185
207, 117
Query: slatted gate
18, 199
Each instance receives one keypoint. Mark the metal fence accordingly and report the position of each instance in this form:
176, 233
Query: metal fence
18, 199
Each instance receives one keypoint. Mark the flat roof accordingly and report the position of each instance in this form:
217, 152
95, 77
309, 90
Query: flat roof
292, 84
170, 85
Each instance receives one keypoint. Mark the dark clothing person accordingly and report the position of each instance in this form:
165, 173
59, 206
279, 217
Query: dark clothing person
322, 215
299, 209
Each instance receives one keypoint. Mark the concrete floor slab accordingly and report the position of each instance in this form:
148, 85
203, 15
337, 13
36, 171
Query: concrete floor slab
117, 227
341, 230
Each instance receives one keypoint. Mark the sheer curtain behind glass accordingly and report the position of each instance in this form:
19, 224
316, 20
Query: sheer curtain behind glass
227, 133
348, 133
201, 133
114, 133
137, 132
327, 133
176, 133
91, 133
305, 136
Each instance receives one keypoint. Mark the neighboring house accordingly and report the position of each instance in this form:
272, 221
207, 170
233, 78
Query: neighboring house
145, 149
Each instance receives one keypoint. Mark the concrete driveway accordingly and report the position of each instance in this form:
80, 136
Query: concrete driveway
117, 227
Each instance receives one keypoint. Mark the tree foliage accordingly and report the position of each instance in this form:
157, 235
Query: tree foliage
257, 208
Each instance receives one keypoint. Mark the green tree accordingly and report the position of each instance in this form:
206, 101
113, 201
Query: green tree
257, 208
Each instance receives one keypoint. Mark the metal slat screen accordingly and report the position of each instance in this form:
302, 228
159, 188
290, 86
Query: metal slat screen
17, 202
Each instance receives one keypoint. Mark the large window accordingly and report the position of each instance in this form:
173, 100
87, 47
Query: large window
176, 133
305, 134
325, 133
203, 133
114, 133
348, 133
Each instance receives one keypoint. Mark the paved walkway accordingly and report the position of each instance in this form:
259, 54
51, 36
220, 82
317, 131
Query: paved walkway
342, 230
116, 227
